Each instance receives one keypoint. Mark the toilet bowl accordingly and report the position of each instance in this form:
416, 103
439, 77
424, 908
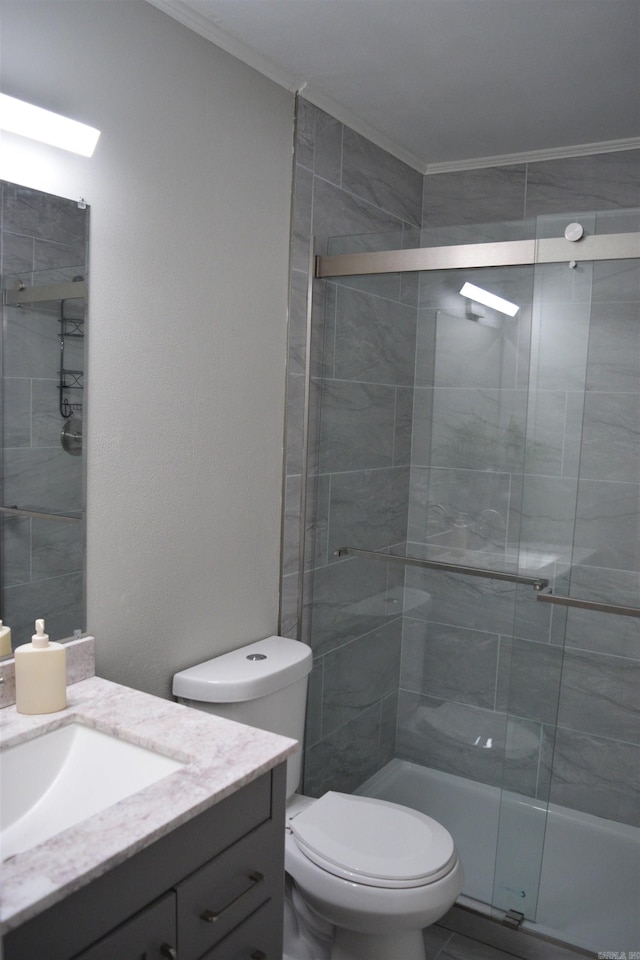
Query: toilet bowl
377, 872
367, 875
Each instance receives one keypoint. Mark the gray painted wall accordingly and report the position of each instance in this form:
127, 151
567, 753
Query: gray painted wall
189, 191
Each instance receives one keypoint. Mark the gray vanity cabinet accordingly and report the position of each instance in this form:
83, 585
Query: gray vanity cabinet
210, 890
151, 935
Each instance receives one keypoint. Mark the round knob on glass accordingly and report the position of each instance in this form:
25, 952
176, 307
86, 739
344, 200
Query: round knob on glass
575, 231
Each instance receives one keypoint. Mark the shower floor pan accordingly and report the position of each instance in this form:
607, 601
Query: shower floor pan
590, 877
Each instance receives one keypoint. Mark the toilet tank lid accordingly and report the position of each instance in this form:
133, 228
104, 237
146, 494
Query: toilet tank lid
247, 673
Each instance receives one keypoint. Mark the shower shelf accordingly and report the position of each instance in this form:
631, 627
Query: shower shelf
541, 586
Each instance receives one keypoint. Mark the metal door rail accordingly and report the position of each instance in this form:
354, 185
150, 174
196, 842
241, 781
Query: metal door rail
39, 514
537, 583
546, 596
612, 246
67, 290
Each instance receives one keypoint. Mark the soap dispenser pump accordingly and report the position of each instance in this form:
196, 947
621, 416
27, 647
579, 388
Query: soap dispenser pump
41, 679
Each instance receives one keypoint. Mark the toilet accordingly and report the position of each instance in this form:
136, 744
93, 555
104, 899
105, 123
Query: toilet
366, 876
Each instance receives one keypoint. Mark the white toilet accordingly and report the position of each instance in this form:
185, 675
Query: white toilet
367, 875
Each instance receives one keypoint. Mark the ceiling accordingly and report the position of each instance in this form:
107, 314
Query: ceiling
445, 84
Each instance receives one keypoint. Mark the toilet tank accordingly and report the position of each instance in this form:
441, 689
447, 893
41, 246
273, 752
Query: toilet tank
263, 684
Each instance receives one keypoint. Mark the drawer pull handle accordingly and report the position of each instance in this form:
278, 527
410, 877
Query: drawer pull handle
210, 916
168, 951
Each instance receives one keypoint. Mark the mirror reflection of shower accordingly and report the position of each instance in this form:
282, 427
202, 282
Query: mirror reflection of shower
478, 299
71, 379
42, 506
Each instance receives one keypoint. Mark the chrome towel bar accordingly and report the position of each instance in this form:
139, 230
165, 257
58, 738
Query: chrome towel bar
540, 585
39, 514
537, 583
545, 596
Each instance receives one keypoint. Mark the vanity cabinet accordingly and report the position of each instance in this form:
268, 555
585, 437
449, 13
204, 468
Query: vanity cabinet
210, 890
151, 934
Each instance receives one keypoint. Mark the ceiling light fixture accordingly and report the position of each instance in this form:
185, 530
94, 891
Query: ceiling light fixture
472, 292
17, 116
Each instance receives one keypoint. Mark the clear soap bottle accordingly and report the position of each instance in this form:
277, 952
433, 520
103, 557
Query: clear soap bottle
41, 677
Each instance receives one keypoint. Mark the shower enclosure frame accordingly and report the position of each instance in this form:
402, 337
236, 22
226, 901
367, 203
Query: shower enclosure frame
622, 246
571, 250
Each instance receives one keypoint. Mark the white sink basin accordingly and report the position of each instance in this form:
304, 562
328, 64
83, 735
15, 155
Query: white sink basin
62, 777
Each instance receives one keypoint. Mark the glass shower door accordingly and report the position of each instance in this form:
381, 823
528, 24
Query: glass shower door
468, 464
532, 657
471, 454
576, 676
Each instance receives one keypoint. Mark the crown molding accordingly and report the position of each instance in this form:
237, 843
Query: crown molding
358, 125
533, 156
205, 28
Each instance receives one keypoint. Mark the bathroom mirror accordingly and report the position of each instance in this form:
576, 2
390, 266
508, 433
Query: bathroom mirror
43, 269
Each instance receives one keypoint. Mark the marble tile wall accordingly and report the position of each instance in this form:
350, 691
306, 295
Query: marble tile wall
360, 447
472, 420
42, 561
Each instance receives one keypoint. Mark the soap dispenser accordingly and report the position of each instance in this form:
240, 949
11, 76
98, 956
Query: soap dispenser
5, 640
41, 677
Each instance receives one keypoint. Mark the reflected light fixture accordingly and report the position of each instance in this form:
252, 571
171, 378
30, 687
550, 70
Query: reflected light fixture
27, 120
472, 292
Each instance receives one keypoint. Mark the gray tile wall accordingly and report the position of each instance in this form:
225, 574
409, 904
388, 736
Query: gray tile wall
43, 240
405, 408
360, 448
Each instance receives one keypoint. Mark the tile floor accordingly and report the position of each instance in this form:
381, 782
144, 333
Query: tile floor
465, 935
442, 944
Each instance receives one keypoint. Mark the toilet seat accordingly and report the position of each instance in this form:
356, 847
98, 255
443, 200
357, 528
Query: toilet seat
373, 842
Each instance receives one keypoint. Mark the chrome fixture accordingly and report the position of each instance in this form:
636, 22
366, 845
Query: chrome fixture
613, 246
575, 231
538, 583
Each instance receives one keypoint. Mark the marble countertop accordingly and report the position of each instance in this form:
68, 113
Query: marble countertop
219, 757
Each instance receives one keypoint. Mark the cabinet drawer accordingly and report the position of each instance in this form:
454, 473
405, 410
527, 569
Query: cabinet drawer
150, 934
216, 898
258, 938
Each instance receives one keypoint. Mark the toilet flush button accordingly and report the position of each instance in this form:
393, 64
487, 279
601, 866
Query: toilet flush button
257, 656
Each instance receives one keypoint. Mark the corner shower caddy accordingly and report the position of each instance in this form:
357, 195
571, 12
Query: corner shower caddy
71, 328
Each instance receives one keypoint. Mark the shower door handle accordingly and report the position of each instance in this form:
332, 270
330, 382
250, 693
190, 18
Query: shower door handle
545, 596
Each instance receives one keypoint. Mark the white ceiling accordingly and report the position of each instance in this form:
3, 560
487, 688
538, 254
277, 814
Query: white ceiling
447, 82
